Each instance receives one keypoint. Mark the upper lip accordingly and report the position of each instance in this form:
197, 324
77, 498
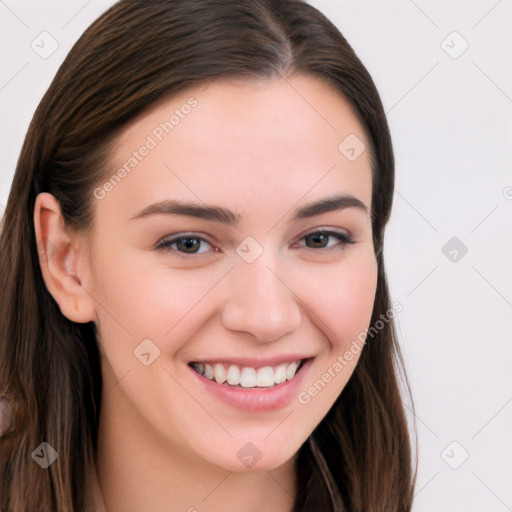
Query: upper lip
253, 362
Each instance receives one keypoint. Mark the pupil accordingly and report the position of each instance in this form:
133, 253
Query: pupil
188, 244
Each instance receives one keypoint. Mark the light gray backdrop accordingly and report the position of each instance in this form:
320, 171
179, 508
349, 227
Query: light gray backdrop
444, 74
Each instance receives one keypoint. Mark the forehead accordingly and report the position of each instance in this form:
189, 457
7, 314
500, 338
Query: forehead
232, 139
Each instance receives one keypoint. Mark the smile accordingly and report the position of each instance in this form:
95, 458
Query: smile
247, 376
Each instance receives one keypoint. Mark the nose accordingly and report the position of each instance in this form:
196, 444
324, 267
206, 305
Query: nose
261, 300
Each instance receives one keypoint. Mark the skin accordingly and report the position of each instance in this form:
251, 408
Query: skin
262, 150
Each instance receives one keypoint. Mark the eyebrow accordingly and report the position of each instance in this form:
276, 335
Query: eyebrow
229, 218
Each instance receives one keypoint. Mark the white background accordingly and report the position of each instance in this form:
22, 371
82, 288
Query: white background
451, 122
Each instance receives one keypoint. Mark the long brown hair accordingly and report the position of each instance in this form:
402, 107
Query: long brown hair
136, 54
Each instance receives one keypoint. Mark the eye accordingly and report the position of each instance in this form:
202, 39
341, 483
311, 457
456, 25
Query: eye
321, 240
187, 245
184, 245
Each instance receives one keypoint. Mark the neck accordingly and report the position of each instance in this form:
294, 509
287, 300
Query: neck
138, 470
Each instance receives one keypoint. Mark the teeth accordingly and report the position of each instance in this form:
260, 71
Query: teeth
246, 376
208, 371
234, 375
219, 373
265, 377
291, 370
280, 374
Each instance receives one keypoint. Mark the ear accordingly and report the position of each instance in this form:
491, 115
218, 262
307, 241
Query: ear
61, 258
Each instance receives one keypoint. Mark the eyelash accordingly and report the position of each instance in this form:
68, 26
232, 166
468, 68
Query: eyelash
344, 239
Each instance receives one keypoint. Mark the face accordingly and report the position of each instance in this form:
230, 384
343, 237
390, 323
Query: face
232, 266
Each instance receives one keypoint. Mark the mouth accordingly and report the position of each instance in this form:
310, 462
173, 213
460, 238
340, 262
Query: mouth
248, 377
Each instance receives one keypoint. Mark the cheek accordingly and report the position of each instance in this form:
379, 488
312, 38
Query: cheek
343, 307
342, 297
147, 299
141, 297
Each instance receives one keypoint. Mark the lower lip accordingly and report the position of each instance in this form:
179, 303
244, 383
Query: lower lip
256, 399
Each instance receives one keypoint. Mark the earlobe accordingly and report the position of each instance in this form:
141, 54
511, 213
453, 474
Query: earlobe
59, 258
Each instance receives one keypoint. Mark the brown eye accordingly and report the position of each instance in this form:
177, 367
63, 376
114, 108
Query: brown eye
184, 245
318, 240
322, 239
188, 245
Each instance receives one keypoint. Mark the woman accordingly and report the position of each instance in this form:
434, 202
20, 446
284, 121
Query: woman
196, 314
